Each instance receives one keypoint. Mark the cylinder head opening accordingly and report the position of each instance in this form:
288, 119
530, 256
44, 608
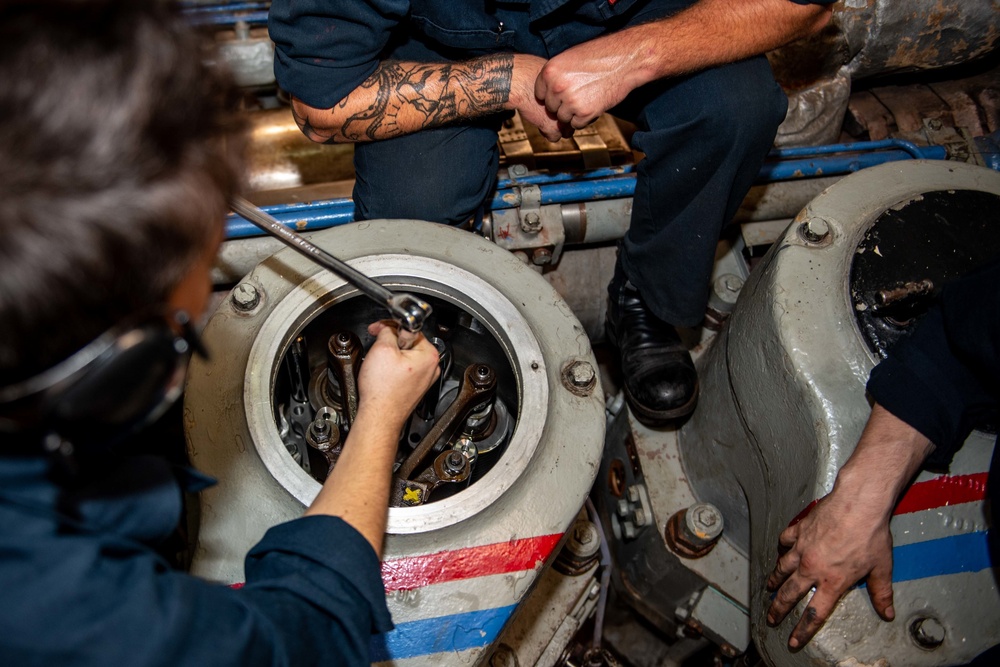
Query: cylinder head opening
467, 440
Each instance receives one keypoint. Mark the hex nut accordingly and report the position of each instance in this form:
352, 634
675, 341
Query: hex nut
531, 223
518, 170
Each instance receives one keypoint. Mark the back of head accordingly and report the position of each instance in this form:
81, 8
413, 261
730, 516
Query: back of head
117, 160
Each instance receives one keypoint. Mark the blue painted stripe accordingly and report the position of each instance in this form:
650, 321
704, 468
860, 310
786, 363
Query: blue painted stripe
458, 632
968, 552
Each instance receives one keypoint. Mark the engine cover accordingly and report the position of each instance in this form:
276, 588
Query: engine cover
782, 407
455, 569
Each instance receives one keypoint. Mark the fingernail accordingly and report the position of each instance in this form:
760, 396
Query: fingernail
890, 613
793, 642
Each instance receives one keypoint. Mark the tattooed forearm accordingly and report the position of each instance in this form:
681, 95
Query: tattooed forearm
404, 97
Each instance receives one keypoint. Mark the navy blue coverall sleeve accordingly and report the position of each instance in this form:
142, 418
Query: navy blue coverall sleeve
324, 50
78, 593
943, 380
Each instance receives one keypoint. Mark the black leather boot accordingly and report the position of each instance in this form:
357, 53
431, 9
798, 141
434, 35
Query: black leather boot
661, 383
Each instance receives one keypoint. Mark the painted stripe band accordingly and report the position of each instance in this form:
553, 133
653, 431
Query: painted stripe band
481, 561
459, 632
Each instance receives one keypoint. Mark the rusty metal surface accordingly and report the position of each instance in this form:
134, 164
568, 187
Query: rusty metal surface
954, 114
866, 38
889, 36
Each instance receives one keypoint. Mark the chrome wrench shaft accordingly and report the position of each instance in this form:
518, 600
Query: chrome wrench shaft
407, 309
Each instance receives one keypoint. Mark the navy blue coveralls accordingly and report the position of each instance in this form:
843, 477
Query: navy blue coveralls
81, 584
704, 135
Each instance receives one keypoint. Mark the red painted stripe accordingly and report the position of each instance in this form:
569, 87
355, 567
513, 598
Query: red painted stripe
942, 492
513, 556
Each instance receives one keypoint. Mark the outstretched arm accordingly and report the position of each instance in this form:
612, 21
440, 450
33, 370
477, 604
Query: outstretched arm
845, 538
583, 82
404, 97
391, 383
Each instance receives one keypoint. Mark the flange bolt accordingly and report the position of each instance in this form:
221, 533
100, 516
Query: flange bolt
245, 297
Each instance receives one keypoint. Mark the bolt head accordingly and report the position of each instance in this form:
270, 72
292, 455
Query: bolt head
628, 528
703, 523
482, 376
582, 374
245, 297
541, 257
531, 223
623, 508
585, 533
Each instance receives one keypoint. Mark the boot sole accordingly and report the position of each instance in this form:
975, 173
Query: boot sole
661, 417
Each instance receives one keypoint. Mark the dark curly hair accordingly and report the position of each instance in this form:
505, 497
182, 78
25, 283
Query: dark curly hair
118, 155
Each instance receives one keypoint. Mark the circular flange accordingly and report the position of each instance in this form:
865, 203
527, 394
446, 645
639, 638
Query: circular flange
420, 275
535, 488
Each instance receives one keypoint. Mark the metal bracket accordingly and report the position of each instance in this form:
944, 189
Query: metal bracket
956, 141
536, 230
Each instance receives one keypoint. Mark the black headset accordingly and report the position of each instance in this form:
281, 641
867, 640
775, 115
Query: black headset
117, 383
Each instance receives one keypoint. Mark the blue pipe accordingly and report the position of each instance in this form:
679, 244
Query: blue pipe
307, 218
989, 149
226, 14
617, 182
540, 179
917, 152
786, 170
199, 8
226, 20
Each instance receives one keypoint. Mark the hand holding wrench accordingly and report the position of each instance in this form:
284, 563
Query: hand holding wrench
408, 311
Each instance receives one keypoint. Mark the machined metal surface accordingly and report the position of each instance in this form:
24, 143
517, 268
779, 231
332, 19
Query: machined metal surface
508, 523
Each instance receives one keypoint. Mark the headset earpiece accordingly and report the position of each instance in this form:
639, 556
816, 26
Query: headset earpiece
103, 392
